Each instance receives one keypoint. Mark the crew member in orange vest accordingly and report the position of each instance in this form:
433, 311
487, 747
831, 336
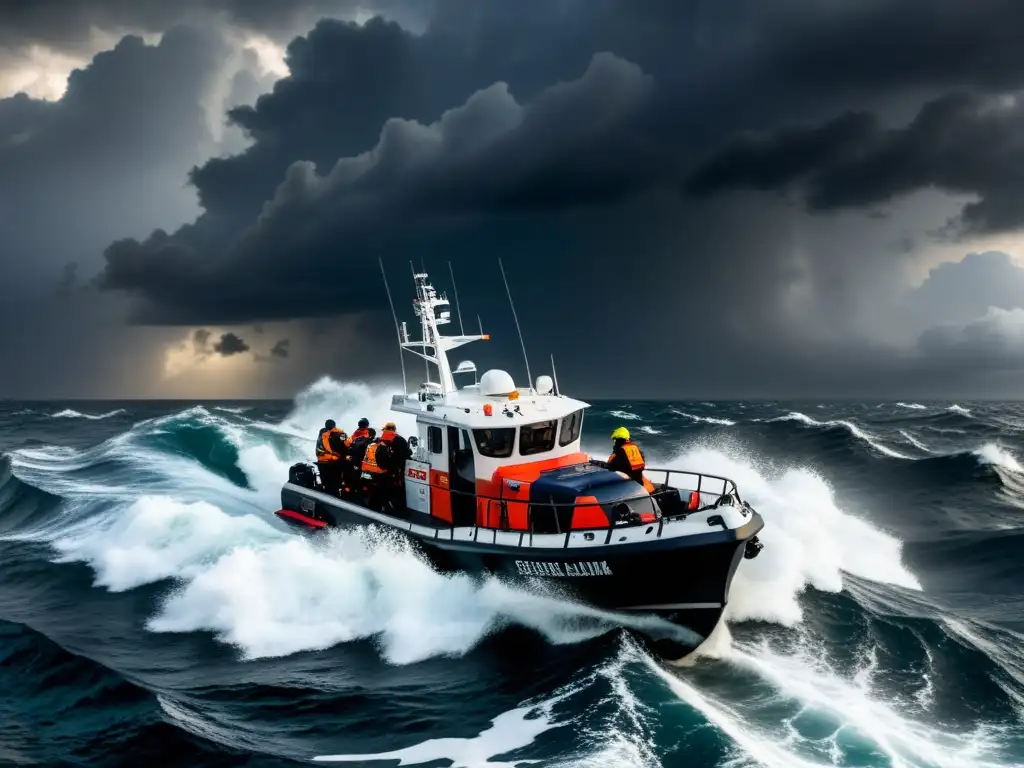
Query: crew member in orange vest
627, 458
356, 447
376, 468
329, 447
399, 445
362, 431
399, 454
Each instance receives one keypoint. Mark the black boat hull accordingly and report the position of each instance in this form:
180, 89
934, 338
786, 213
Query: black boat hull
683, 581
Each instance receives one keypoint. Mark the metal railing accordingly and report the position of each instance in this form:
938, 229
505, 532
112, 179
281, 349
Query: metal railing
635, 504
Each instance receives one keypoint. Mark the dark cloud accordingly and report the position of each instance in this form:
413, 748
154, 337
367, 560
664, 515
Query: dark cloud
71, 24
230, 344
280, 349
314, 182
556, 136
489, 157
961, 143
103, 161
873, 45
71, 171
226, 345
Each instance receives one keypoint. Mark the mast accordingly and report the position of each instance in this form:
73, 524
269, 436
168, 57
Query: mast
434, 310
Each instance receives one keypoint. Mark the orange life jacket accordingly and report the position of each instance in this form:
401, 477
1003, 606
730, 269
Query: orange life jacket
388, 435
361, 432
633, 456
370, 460
324, 452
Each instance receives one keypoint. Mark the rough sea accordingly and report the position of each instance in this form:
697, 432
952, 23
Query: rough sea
154, 612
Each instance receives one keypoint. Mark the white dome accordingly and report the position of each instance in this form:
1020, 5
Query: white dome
496, 382
544, 385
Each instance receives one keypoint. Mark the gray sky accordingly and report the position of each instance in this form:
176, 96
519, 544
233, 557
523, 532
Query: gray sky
692, 199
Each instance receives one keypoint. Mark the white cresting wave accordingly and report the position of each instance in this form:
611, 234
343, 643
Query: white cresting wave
242, 576
704, 419
912, 406
915, 442
207, 533
857, 711
69, 413
998, 456
628, 416
849, 426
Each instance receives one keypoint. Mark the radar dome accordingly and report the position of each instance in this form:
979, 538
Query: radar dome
496, 382
544, 385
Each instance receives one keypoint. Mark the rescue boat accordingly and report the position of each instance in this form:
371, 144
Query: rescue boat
498, 485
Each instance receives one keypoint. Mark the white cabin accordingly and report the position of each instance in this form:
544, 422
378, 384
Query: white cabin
470, 439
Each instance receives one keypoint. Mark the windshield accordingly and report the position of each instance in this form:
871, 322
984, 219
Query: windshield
495, 443
571, 427
536, 438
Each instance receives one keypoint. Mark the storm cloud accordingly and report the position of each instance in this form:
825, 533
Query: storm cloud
961, 143
489, 157
230, 344
70, 24
750, 184
281, 348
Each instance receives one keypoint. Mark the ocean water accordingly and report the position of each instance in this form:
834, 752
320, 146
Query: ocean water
154, 612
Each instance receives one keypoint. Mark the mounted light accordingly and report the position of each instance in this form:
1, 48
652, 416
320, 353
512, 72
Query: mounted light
488, 409
514, 395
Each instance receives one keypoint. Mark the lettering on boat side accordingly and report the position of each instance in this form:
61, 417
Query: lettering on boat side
562, 570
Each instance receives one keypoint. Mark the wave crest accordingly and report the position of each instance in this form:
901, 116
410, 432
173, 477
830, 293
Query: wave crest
69, 413
808, 540
849, 426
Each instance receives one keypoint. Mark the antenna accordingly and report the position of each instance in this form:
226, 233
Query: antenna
423, 339
394, 315
458, 307
480, 324
555, 374
518, 330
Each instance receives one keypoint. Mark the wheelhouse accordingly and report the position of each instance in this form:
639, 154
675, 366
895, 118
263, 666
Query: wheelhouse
493, 455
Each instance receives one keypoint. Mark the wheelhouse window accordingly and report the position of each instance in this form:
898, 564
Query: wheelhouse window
571, 426
495, 443
434, 440
537, 438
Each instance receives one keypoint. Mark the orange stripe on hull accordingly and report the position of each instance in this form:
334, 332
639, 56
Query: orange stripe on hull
440, 496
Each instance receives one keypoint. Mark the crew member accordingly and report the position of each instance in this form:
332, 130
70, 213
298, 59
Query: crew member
357, 446
626, 457
400, 452
376, 470
362, 431
328, 458
339, 442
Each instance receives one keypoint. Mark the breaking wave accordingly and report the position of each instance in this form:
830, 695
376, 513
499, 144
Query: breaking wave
849, 426
68, 413
179, 506
705, 419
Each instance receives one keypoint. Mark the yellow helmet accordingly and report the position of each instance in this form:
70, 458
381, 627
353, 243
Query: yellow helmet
620, 432
390, 425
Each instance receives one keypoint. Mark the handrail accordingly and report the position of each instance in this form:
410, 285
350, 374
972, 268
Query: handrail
727, 484
729, 489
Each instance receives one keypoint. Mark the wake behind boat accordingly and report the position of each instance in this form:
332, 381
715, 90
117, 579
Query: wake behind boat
494, 482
